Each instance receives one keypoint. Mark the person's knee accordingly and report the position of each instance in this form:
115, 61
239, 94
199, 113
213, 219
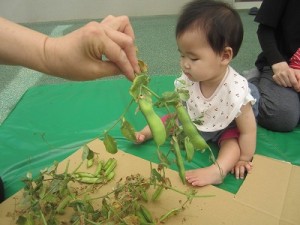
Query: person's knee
279, 108
279, 120
256, 95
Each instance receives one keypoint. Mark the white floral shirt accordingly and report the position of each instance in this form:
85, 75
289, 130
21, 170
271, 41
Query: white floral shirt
222, 107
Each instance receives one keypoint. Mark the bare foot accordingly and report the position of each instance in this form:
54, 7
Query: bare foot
204, 176
143, 135
140, 137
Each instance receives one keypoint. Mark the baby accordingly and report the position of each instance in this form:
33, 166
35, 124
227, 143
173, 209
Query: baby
209, 35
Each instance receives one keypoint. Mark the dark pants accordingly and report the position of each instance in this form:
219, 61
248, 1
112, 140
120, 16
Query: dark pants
279, 107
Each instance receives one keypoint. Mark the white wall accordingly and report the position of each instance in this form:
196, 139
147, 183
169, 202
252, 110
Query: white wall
246, 5
27, 11
24, 11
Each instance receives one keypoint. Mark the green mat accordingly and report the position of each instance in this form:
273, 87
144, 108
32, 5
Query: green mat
51, 122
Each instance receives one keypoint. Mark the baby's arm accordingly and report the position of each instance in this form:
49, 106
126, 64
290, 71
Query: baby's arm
246, 124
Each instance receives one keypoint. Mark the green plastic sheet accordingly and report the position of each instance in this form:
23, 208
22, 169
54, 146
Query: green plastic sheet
51, 122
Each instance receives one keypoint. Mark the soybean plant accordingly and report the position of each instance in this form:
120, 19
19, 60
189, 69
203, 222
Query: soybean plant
178, 125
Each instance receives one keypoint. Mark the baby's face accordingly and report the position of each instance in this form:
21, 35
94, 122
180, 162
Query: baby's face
198, 60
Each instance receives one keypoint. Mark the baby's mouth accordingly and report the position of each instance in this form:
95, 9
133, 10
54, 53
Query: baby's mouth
188, 75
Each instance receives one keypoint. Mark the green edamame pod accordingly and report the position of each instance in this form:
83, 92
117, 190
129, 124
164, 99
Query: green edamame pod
157, 193
110, 176
189, 128
189, 148
90, 180
144, 195
142, 219
146, 213
99, 168
63, 204
107, 163
84, 174
156, 125
164, 217
111, 167
179, 160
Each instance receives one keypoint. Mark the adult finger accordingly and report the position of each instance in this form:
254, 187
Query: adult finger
278, 80
127, 45
293, 79
285, 77
116, 54
107, 68
120, 23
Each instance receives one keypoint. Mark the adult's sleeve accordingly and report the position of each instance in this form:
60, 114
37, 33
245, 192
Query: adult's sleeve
266, 37
270, 12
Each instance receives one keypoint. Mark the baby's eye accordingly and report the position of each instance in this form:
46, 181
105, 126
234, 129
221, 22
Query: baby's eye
194, 59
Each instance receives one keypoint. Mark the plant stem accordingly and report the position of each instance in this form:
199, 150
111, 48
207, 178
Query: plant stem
152, 92
187, 194
120, 118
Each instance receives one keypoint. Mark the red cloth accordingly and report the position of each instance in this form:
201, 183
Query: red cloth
230, 133
165, 117
295, 60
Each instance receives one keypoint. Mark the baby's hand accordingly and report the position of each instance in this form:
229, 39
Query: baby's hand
241, 168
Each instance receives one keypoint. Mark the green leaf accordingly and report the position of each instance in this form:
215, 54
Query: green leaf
127, 130
183, 94
21, 220
156, 174
138, 82
110, 144
85, 152
88, 154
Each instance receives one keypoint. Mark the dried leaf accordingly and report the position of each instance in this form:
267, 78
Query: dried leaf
138, 82
127, 130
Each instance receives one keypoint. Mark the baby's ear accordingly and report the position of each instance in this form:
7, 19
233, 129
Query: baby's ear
227, 55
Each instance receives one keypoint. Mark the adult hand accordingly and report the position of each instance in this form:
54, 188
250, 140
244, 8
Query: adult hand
94, 50
285, 76
297, 75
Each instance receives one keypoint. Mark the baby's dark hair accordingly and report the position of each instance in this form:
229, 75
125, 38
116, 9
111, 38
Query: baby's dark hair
218, 20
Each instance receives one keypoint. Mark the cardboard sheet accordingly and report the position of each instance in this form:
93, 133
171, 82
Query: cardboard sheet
268, 196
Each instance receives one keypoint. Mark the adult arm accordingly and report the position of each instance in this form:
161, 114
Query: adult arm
78, 55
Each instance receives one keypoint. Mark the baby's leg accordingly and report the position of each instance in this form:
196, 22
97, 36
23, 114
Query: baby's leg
228, 156
143, 135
